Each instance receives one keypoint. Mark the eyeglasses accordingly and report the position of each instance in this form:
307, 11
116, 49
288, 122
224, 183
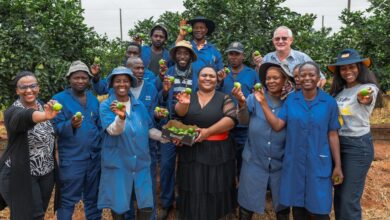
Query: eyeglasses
25, 87
280, 38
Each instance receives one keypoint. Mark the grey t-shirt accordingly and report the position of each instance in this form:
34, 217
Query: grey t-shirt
355, 116
154, 66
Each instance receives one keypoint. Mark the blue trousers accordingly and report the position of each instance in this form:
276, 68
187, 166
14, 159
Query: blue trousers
167, 174
153, 147
79, 180
357, 154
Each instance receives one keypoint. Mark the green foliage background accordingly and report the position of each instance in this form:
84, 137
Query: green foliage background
44, 36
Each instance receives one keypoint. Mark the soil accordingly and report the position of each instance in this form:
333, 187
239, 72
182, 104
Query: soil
375, 201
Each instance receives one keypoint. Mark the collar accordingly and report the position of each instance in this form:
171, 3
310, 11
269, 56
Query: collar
320, 97
200, 46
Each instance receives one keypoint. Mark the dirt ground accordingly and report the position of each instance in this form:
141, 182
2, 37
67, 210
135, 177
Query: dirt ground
375, 202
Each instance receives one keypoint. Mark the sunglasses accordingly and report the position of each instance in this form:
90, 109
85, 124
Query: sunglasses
25, 87
280, 38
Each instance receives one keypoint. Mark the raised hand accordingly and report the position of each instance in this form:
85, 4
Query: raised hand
76, 121
257, 59
183, 98
95, 69
48, 109
239, 95
121, 112
167, 84
181, 31
364, 96
259, 95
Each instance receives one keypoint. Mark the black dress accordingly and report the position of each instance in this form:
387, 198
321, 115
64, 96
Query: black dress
206, 170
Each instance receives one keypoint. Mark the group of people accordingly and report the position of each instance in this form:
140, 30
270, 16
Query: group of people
288, 137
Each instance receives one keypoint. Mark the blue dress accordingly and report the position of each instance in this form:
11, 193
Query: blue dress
307, 164
126, 160
262, 158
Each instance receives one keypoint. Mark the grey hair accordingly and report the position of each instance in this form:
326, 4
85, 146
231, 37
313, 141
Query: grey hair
289, 32
131, 60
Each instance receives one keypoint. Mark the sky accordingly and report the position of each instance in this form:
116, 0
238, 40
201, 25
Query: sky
103, 15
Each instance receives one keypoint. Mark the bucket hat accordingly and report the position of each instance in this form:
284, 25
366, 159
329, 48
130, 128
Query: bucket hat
121, 70
78, 66
348, 56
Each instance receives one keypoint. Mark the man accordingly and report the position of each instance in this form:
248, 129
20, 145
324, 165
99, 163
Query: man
247, 77
152, 54
284, 54
184, 58
206, 52
78, 144
133, 50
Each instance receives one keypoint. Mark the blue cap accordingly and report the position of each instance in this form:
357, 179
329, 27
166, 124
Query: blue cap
349, 56
121, 70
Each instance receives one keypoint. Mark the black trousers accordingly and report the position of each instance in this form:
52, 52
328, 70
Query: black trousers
42, 187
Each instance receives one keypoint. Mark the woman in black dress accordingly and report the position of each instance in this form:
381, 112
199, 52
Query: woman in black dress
206, 170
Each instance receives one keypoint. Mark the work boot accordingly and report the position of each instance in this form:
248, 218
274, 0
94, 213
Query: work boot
283, 214
164, 213
244, 214
144, 214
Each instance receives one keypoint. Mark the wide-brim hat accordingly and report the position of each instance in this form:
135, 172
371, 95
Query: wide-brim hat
264, 68
184, 44
161, 27
121, 70
209, 23
78, 66
349, 56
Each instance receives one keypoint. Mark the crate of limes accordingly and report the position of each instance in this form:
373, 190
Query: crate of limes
177, 130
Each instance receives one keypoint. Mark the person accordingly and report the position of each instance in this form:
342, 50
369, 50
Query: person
206, 170
152, 54
296, 77
247, 77
183, 57
350, 76
264, 149
79, 140
148, 95
28, 163
284, 54
125, 149
100, 86
206, 52
311, 120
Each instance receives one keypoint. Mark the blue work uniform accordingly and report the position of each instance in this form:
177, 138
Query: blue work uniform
126, 159
262, 158
307, 165
148, 97
79, 154
207, 55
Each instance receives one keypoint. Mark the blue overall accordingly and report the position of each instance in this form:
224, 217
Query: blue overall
307, 164
79, 154
126, 160
247, 77
148, 97
262, 158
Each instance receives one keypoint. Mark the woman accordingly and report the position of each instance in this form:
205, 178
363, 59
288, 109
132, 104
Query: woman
311, 120
125, 149
296, 77
206, 170
350, 76
264, 149
27, 166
